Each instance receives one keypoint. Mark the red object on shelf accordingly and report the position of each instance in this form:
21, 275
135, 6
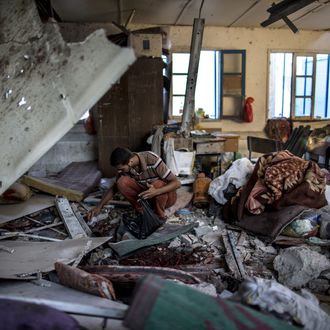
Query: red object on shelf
248, 110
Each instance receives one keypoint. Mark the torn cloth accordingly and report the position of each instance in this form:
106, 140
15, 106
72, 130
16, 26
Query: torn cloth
237, 174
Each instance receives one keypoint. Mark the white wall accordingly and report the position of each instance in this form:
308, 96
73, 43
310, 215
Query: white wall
257, 42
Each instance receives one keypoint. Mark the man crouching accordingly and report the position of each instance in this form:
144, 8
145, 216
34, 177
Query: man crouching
141, 175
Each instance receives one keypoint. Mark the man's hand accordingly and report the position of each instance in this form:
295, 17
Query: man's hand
93, 212
150, 193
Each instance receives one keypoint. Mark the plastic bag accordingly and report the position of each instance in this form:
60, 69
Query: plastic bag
144, 224
305, 225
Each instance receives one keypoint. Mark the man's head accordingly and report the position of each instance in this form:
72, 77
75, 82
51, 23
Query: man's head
120, 158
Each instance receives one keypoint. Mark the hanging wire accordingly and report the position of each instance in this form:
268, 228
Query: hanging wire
200, 9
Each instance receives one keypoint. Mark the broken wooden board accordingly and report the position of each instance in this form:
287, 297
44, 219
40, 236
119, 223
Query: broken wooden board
51, 188
31, 258
75, 181
36, 203
62, 298
69, 219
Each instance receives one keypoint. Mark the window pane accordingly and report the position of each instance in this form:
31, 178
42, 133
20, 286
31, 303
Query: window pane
179, 84
177, 105
304, 65
180, 62
322, 75
303, 86
232, 63
303, 107
232, 106
205, 88
232, 84
280, 75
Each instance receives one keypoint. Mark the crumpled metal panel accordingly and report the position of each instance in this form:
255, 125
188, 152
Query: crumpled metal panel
46, 84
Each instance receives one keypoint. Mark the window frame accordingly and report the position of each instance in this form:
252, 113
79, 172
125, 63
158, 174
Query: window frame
295, 54
218, 86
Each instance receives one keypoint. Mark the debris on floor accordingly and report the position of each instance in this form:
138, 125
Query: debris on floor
49, 242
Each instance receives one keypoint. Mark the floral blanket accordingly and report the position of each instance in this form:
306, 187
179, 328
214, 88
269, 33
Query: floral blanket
280, 173
280, 182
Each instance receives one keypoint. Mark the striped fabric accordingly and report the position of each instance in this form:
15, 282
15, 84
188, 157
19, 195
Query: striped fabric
152, 168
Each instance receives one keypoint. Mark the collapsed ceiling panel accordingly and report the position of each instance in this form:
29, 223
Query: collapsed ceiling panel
28, 258
46, 84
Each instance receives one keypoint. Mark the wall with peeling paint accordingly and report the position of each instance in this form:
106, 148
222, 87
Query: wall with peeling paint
257, 42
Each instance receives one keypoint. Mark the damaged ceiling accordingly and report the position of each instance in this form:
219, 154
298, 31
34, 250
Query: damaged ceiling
239, 13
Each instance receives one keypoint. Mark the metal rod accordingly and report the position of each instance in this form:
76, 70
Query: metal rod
189, 101
130, 18
17, 234
40, 223
33, 230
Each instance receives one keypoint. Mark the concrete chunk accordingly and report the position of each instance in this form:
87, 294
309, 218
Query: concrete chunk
46, 84
296, 266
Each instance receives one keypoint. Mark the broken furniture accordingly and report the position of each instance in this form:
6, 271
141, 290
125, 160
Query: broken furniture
296, 143
318, 145
74, 182
262, 145
216, 146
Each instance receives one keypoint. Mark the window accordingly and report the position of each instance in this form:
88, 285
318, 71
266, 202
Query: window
299, 85
220, 87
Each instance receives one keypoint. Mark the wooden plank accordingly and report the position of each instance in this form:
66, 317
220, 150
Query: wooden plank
73, 195
71, 223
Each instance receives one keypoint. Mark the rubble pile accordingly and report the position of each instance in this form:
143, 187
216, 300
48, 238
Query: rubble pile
194, 247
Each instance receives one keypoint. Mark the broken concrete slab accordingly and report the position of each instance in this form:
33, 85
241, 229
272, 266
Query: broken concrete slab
62, 298
36, 203
296, 266
31, 258
46, 84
